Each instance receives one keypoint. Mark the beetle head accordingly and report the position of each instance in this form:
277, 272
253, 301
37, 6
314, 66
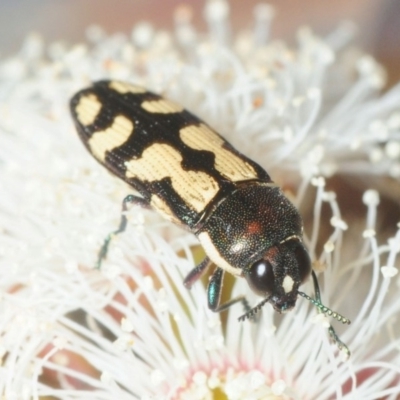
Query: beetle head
278, 275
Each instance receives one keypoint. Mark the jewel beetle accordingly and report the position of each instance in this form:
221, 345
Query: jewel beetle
184, 170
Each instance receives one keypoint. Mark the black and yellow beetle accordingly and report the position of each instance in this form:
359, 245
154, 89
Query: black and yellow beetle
189, 174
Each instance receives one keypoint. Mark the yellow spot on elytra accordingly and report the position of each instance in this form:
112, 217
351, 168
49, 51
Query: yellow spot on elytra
163, 208
87, 109
227, 163
161, 106
112, 137
160, 161
123, 87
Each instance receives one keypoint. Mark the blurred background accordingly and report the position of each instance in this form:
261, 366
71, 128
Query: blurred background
378, 21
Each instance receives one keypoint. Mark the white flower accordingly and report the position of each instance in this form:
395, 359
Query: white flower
130, 330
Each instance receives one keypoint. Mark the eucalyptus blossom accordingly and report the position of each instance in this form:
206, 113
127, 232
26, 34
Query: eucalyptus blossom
309, 114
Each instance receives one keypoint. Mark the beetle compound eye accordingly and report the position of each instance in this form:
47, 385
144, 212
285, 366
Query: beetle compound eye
303, 262
260, 277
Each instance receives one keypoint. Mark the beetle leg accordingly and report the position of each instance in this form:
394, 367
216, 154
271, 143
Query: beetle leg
214, 294
130, 199
196, 273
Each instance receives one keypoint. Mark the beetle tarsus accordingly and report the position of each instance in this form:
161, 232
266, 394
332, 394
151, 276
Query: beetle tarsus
130, 199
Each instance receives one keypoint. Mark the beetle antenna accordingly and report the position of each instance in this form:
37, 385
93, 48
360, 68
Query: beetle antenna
327, 311
252, 311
